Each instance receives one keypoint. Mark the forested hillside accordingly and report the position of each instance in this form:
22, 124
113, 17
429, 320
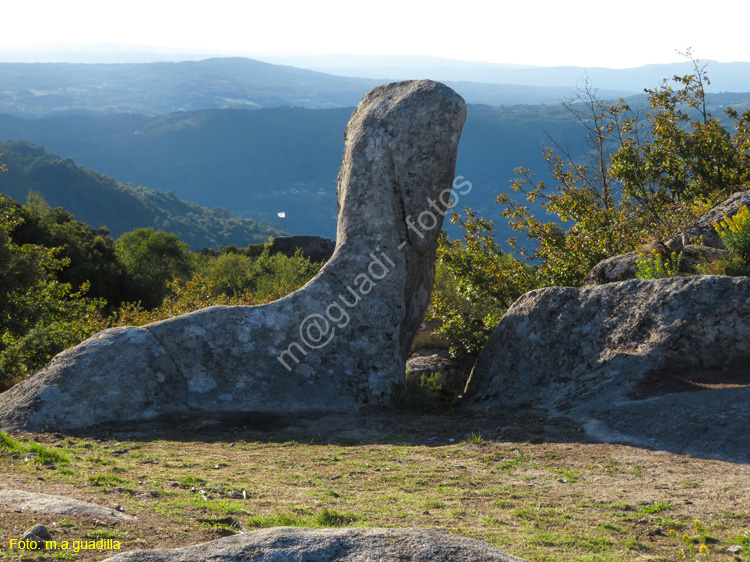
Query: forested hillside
258, 163
101, 201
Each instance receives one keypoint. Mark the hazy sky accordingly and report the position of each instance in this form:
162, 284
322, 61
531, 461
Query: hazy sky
541, 32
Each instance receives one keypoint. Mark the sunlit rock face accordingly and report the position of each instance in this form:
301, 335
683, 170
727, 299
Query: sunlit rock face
338, 343
661, 362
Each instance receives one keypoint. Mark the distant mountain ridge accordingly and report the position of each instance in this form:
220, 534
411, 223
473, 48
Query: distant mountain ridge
38, 89
158, 88
43, 89
725, 76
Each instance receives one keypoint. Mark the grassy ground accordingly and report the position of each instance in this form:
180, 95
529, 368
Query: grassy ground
533, 488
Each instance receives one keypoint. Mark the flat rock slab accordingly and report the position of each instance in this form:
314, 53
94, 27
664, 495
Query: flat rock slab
59, 505
710, 423
293, 544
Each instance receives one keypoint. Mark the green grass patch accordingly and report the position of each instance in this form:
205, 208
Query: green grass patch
104, 534
544, 517
638, 471
611, 527
224, 506
332, 518
37, 453
504, 493
655, 508
190, 480
475, 438
106, 481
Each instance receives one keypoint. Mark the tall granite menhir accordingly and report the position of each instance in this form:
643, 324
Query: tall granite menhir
336, 344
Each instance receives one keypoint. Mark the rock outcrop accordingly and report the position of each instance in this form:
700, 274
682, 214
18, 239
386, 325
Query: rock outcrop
685, 243
703, 229
36, 538
612, 270
314, 248
337, 344
58, 505
282, 544
454, 372
663, 363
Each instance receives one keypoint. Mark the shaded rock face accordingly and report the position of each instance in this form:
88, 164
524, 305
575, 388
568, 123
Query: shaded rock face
454, 372
612, 270
624, 267
338, 343
314, 248
292, 544
631, 361
36, 537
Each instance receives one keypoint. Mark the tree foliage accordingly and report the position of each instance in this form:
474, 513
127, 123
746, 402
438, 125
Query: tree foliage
643, 177
39, 315
682, 153
231, 278
647, 173
152, 258
475, 282
89, 253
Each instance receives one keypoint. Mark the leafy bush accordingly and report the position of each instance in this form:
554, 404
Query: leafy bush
152, 258
39, 315
735, 233
89, 253
226, 280
231, 273
643, 178
654, 266
475, 282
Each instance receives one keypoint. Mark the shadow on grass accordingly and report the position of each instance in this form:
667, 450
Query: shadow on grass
371, 425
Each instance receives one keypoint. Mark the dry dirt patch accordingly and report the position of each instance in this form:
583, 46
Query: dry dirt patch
526, 484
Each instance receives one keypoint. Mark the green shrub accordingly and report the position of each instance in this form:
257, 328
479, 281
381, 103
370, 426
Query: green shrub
654, 266
735, 233
475, 283
39, 315
152, 259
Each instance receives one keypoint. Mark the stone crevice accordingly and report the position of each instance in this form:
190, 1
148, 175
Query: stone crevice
177, 372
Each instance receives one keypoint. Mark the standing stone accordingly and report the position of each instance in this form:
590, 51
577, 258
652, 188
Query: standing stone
336, 344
